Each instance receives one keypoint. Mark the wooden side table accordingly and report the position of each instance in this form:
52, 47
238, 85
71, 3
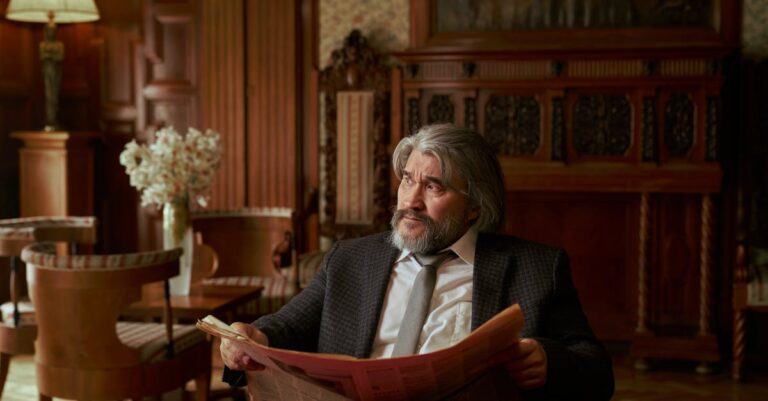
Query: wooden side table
57, 172
218, 300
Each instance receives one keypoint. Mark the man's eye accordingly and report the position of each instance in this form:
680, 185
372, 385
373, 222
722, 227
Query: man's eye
434, 188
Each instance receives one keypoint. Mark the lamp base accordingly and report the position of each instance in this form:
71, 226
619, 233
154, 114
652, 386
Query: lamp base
51, 55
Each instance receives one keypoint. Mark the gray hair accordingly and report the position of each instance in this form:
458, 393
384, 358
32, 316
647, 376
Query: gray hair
463, 152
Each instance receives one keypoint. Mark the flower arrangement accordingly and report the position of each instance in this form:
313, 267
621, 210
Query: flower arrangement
173, 168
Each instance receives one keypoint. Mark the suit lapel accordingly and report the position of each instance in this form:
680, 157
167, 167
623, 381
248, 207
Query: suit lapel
489, 283
377, 262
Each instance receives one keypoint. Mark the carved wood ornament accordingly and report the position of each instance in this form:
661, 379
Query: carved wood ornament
357, 67
602, 125
513, 124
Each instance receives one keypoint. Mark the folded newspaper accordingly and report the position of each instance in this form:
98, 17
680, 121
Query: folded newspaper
293, 375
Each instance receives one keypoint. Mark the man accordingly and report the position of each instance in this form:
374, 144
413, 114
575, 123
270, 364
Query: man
451, 196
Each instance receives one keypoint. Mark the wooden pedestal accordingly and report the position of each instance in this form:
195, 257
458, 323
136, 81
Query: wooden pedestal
57, 173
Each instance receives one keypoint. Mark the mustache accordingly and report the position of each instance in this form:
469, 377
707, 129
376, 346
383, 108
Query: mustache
410, 213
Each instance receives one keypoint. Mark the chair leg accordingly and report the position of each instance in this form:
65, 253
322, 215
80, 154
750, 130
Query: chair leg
203, 386
5, 361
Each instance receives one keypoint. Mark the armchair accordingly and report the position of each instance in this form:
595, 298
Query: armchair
255, 247
17, 327
86, 353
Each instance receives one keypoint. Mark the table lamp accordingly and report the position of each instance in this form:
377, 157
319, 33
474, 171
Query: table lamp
51, 50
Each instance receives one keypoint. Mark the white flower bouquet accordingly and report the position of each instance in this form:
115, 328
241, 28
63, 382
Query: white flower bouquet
173, 168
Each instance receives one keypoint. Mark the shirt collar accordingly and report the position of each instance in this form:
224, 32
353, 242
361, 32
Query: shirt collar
464, 247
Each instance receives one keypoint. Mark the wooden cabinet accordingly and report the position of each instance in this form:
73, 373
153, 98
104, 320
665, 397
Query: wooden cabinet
57, 173
608, 135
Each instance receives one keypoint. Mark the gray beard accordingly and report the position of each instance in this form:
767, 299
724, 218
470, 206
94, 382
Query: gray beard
435, 236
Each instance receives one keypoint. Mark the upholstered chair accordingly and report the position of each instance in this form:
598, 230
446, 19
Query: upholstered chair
255, 247
17, 327
84, 352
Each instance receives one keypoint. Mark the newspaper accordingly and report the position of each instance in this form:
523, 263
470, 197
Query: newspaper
292, 375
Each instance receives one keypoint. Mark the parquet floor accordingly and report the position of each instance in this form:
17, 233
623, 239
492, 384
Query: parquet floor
678, 384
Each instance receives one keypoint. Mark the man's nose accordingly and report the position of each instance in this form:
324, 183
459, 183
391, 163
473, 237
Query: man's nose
413, 197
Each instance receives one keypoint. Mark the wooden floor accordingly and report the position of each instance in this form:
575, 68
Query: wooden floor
677, 383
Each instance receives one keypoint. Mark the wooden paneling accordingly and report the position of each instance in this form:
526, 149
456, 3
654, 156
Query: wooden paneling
167, 70
79, 95
272, 75
222, 90
167, 81
599, 232
118, 37
16, 83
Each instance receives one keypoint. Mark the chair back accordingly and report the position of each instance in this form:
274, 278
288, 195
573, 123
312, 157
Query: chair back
83, 352
15, 234
78, 300
250, 242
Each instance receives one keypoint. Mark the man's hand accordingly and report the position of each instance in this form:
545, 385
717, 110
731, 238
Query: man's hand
233, 355
527, 364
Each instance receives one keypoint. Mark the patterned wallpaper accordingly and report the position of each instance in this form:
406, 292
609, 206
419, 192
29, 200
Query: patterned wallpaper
754, 31
383, 22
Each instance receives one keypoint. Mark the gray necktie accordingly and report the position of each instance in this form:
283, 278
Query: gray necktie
418, 305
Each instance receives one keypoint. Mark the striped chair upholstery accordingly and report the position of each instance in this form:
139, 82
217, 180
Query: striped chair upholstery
246, 242
309, 264
150, 338
84, 352
26, 313
276, 292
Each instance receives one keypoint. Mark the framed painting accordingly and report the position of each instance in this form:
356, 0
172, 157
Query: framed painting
490, 25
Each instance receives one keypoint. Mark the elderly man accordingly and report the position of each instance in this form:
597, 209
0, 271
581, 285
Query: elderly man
449, 202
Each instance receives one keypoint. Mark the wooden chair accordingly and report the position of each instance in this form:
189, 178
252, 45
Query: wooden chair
255, 247
17, 327
84, 353
205, 260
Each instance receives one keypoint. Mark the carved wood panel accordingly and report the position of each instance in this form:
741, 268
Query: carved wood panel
679, 119
440, 110
358, 67
602, 125
513, 124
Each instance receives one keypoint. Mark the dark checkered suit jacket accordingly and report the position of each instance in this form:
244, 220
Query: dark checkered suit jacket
339, 311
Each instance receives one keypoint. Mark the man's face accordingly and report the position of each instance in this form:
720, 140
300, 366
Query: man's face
431, 214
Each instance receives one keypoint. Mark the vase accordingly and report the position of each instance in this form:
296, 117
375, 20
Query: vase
177, 233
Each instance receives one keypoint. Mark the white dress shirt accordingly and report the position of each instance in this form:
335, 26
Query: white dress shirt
450, 311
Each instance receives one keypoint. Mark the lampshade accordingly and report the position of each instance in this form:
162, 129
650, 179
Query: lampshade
64, 11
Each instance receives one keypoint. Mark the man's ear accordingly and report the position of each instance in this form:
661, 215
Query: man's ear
474, 213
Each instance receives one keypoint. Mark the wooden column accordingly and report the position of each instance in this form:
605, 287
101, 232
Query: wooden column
56, 173
705, 285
